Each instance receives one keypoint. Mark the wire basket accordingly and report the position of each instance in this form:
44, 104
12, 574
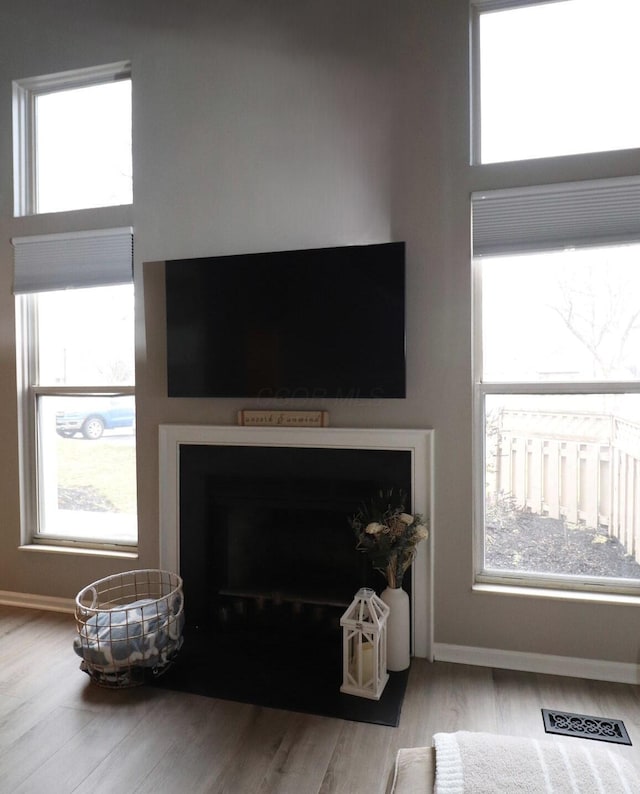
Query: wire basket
129, 627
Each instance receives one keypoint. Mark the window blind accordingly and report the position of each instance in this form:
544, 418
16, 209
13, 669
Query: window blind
548, 217
77, 259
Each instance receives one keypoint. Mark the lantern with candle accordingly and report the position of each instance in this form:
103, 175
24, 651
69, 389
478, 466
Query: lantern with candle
364, 645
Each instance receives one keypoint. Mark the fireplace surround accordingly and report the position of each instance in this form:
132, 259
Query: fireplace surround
184, 475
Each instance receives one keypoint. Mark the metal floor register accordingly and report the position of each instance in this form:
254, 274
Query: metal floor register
585, 727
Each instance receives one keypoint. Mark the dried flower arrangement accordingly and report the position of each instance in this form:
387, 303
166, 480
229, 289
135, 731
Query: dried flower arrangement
389, 535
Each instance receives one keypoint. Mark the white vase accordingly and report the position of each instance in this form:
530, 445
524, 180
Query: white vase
398, 631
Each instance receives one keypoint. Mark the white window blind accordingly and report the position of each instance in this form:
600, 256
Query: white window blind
77, 259
548, 217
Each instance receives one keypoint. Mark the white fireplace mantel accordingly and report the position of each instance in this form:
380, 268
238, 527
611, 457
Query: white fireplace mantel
418, 442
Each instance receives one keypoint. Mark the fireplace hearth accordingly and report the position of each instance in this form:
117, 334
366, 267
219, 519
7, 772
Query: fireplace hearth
258, 529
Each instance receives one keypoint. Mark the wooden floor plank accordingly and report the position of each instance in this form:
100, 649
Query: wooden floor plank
209, 729
517, 696
448, 695
300, 764
265, 735
127, 765
77, 759
33, 749
350, 769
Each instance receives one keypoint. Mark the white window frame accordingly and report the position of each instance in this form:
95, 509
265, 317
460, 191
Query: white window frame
31, 474
477, 8
506, 178
532, 579
51, 262
89, 259
540, 232
25, 93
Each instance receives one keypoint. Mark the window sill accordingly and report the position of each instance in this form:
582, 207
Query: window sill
79, 551
616, 599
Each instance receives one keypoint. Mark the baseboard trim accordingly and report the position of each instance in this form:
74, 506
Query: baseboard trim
30, 601
598, 670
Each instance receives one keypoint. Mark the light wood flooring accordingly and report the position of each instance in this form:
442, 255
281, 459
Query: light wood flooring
59, 733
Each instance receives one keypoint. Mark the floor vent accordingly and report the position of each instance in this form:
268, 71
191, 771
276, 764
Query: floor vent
585, 727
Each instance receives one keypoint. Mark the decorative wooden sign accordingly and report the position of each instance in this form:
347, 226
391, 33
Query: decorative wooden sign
255, 418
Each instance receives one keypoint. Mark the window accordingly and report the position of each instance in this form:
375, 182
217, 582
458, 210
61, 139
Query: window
72, 140
555, 78
558, 384
74, 296
556, 268
75, 310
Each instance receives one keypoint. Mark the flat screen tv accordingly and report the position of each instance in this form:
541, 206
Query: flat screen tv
309, 324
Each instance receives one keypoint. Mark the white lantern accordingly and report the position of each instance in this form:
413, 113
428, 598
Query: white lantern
364, 645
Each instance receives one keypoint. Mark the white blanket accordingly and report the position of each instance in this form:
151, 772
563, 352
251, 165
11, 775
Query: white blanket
481, 763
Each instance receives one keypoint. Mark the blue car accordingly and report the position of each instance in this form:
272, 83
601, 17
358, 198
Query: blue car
96, 415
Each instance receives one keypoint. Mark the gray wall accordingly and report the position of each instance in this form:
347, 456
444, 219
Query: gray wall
262, 125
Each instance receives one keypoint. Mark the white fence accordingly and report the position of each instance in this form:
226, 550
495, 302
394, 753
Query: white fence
583, 468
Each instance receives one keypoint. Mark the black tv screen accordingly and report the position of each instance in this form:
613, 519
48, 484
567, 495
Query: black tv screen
326, 322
